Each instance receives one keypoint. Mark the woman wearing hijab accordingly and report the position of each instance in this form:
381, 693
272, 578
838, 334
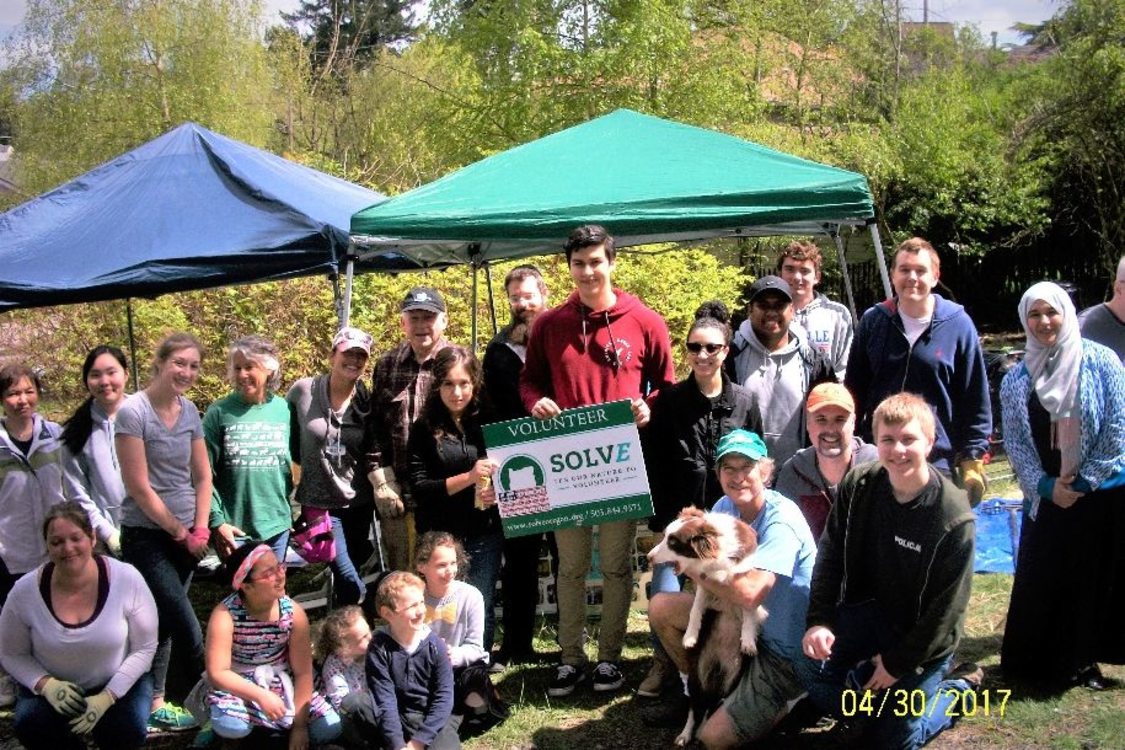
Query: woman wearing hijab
1064, 430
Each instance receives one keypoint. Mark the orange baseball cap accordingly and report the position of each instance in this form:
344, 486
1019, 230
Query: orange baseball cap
830, 394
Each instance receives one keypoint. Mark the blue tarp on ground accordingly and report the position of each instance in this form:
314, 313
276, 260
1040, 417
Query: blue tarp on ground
189, 210
998, 535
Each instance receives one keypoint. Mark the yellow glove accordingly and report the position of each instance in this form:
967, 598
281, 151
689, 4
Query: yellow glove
388, 494
973, 480
96, 706
65, 697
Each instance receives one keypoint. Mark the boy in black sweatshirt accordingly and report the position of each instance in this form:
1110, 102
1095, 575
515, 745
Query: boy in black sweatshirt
890, 587
409, 672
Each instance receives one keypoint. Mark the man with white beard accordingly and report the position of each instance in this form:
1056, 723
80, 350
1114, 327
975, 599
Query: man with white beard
811, 476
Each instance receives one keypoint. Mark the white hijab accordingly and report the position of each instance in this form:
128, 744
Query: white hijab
1054, 370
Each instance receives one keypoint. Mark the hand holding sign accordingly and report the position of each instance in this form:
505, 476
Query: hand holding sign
582, 466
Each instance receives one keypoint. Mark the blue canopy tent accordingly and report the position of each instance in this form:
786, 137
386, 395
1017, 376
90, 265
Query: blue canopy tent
189, 210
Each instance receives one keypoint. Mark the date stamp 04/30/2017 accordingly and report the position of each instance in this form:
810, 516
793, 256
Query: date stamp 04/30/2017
912, 704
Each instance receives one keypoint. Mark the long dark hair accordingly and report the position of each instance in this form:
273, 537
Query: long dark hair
434, 413
77, 429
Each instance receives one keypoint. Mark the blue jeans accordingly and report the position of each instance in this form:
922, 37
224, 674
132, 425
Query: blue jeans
280, 545
348, 585
861, 632
167, 569
664, 581
484, 553
124, 725
321, 731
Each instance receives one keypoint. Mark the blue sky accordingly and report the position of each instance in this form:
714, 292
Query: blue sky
988, 15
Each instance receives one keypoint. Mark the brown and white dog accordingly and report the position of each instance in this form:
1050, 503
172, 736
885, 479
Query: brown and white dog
718, 546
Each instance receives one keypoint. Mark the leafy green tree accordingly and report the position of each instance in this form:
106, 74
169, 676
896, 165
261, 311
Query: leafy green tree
957, 180
346, 33
1077, 123
98, 77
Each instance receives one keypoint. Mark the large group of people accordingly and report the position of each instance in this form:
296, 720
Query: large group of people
856, 460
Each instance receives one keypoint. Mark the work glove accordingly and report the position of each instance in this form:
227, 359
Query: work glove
973, 480
113, 543
65, 697
96, 706
194, 541
388, 494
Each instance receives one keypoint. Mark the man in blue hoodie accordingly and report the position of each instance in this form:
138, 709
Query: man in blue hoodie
922, 343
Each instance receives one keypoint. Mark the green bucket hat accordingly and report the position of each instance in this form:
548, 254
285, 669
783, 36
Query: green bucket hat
742, 442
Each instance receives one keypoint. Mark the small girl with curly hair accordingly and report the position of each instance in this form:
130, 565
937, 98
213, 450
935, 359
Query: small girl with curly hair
342, 644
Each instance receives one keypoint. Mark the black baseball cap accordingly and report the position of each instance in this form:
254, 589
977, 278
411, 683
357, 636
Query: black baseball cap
770, 284
423, 298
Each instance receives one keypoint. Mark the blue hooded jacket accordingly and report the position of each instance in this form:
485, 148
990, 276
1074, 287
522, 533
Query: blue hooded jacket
945, 366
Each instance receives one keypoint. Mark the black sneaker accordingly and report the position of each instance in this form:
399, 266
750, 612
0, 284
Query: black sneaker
969, 672
607, 677
566, 679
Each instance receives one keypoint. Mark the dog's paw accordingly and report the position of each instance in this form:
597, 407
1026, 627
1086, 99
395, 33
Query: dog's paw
683, 739
750, 648
690, 640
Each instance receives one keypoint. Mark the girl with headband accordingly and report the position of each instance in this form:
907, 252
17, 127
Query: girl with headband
259, 657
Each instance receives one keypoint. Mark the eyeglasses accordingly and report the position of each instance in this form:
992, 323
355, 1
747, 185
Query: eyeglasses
695, 347
277, 571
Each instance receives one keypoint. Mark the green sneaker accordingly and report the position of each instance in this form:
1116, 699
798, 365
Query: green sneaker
171, 718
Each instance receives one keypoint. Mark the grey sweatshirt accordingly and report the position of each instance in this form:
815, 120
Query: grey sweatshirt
96, 475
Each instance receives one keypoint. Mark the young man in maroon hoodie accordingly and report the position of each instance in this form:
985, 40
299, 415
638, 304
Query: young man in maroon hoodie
600, 345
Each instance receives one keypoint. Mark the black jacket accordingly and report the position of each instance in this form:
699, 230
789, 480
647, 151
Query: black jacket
502, 368
431, 461
931, 602
680, 441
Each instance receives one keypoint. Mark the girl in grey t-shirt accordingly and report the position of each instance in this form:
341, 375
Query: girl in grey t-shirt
164, 532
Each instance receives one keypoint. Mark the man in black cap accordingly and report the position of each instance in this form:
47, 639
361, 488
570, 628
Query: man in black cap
400, 385
775, 362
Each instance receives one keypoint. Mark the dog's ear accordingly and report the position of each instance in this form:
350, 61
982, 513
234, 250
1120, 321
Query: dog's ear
706, 543
747, 539
690, 512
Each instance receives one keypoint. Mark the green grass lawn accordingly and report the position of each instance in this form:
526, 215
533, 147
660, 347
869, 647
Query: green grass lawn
1078, 719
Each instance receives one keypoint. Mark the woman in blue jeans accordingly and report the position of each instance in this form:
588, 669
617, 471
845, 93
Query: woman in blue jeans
451, 476
159, 440
78, 633
330, 438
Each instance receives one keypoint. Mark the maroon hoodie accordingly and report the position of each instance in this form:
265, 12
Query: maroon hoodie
570, 360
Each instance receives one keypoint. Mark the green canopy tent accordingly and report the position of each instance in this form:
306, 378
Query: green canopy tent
645, 179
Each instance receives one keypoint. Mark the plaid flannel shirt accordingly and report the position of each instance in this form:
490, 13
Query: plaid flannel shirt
400, 385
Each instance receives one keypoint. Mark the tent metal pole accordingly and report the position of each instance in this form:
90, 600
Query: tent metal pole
844, 270
346, 307
476, 268
132, 344
491, 298
881, 258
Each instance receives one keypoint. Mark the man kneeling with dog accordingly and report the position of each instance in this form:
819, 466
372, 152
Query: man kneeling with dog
779, 580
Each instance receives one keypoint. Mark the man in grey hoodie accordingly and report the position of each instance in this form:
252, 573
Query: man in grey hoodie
773, 360
811, 476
